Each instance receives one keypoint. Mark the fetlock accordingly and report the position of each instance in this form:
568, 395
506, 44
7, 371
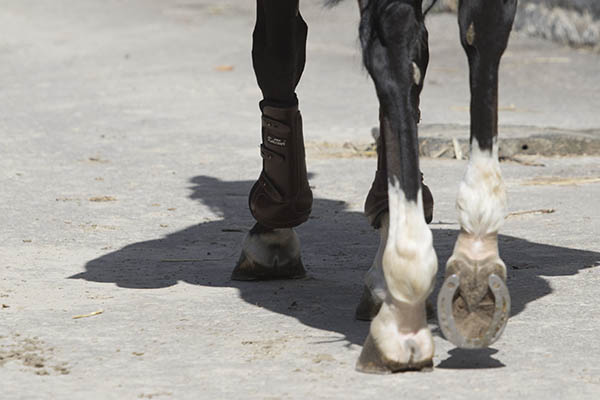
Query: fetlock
281, 197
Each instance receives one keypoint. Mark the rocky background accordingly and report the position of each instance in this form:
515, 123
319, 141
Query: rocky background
575, 23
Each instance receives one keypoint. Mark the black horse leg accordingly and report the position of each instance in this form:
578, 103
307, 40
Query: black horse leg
281, 197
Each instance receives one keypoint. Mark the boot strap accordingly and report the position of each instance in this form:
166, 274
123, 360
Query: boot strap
269, 154
270, 188
274, 126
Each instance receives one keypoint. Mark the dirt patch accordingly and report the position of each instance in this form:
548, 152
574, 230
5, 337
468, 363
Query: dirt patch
102, 199
561, 181
33, 353
452, 141
341, 150
153, 395
321, 357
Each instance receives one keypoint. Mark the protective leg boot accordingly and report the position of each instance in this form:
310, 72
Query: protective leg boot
281, 198
377, 199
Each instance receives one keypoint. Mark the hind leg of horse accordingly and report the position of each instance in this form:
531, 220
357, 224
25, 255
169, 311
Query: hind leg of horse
281, 198
474, 304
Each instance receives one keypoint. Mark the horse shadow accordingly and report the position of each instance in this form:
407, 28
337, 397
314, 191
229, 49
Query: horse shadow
338, 247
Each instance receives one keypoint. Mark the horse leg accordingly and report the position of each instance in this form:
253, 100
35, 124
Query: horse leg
394, 41
474, 304
281, 198
376, 208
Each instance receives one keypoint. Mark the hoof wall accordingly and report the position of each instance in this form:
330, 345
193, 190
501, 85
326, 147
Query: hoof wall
477, 326
249, 270
372, 361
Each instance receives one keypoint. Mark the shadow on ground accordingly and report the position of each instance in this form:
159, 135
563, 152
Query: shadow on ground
471, 359
338, 246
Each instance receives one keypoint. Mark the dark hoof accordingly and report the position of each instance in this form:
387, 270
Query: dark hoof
368, 307
428, 214
473, 324
429, 310
269, 254
249, 270
427, 203
372, 361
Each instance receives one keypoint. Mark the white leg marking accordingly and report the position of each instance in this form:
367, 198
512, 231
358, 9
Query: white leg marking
401, 333
475, 263
481, 199
409, 260
409, 265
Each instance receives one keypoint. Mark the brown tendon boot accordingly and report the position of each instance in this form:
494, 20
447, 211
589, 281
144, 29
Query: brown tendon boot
281, 198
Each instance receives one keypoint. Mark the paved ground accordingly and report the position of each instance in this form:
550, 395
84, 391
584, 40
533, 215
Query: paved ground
129, 142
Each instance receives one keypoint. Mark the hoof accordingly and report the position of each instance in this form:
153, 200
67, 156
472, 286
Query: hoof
368, 307
399, 340
372, 360
473, 317
249, 270
429, 310
269, 254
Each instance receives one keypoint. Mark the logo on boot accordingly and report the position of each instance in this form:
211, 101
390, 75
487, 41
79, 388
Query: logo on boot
275, 141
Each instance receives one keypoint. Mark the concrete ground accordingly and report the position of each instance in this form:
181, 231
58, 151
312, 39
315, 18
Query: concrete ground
129, 141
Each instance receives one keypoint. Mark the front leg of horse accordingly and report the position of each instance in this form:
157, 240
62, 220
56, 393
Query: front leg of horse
376, 210
399, 338
474, 303
281, 198
394, 41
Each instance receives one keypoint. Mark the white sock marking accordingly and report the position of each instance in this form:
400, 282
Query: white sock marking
481, 201
409, 260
